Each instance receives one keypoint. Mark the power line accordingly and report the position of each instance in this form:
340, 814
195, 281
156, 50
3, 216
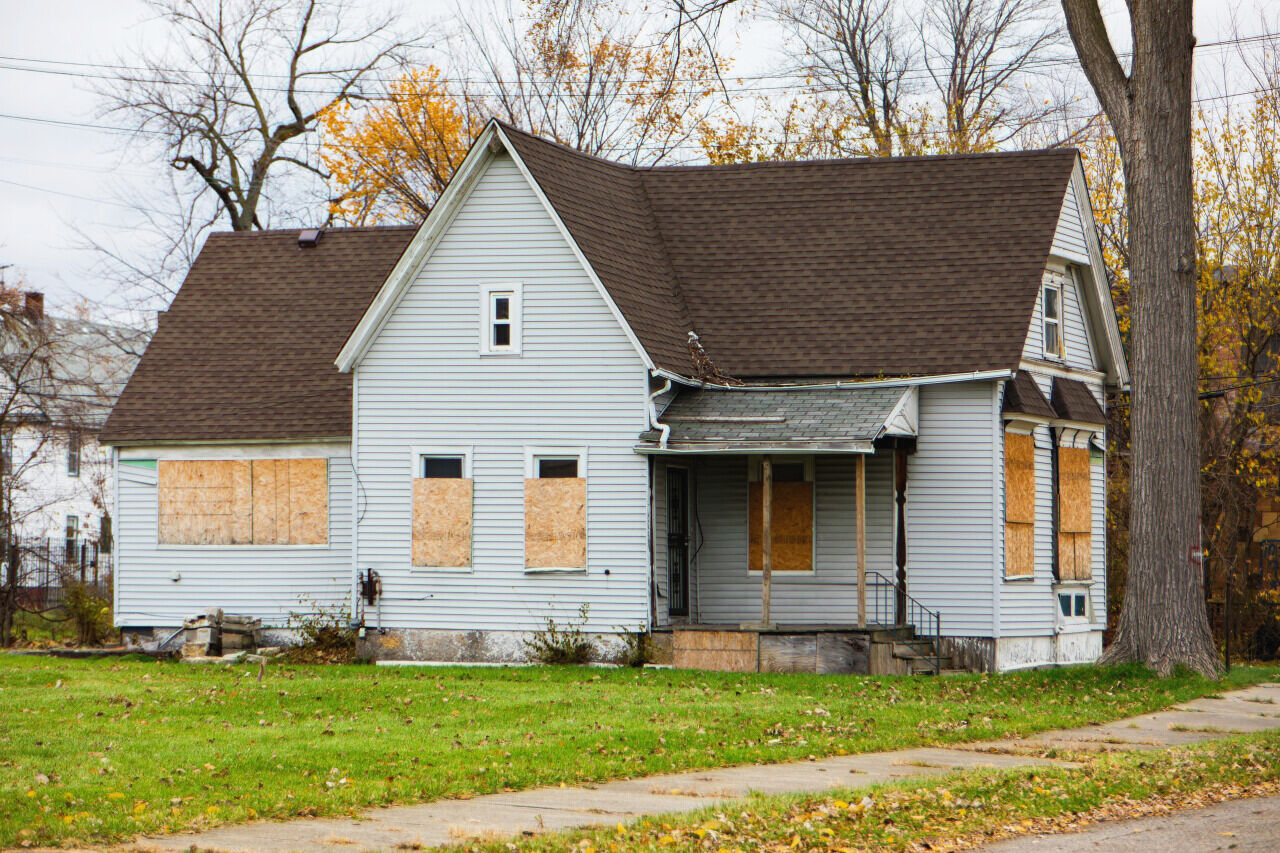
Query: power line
69, 195
910, 73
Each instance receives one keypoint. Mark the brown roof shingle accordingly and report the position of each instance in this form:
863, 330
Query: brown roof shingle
871, 267
1023, 396
246, 350
1073, 401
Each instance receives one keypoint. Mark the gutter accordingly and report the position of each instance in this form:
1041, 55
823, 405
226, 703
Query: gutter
938, 379
653, 414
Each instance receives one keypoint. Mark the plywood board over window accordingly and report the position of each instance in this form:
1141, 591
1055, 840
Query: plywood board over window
243, 502
1019, 505
792, 531
555, 523
290, 502
442, 509
204, 502
1075, 514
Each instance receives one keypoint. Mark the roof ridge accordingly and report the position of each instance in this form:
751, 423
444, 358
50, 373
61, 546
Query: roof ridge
341, 229
670, 269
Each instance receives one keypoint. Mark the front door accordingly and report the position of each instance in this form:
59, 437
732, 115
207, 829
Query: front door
678, 541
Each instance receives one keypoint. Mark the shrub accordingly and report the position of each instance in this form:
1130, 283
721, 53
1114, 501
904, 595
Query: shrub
89, 613
556, 645
325, 634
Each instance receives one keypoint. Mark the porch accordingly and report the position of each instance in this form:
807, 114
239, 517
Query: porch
779, 531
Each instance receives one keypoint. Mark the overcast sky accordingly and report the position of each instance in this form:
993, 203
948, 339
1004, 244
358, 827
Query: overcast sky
57, 178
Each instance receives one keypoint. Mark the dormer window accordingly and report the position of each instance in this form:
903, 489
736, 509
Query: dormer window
1051, 309
500, 319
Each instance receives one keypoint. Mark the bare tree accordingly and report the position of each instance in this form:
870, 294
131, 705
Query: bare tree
856, 48
980, 55
588, 75
243, 83
1163, 622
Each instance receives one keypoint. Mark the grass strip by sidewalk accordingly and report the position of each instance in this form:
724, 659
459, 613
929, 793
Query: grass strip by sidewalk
94, 751
958, 811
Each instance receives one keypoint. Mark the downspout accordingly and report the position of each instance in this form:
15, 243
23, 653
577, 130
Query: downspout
662, 428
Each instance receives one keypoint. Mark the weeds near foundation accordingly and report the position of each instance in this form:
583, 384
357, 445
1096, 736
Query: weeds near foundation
561, 645
637, 652
325, 632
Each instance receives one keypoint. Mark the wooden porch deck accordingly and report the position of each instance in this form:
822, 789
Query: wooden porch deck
875, 650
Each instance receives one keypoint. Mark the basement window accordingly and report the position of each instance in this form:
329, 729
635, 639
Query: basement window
1051, 306
500, 319
1073, 606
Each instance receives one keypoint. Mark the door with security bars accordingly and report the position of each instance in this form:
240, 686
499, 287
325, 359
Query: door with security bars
677, 541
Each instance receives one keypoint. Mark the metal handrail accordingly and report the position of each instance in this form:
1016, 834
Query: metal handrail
926, 621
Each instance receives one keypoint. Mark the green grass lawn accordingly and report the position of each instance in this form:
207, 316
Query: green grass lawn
952, 812
104, 750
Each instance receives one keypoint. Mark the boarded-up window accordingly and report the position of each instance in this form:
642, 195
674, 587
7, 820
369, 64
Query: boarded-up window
1019, 505
290, 502
442, 509
243, 502
1075, 514
555, 516
792, 526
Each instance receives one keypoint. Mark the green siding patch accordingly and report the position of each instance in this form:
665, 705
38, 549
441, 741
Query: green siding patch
139, 463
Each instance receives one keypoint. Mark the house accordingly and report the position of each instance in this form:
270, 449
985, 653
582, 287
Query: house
59, 377
578, 385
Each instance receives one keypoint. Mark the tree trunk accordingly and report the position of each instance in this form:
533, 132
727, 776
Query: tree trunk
1163, 622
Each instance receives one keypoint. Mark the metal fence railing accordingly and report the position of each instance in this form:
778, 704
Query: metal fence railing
47, 566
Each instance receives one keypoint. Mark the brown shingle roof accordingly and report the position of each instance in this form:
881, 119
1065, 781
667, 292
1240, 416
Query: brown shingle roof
1073, 401
246, 349
1023, 396
866, 267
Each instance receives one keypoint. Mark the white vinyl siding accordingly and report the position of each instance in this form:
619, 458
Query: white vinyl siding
1077, 343
1027, 608
954, 492
265, 582
727, 593
1069, 236
578, 382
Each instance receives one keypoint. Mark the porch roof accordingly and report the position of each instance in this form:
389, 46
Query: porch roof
783, 420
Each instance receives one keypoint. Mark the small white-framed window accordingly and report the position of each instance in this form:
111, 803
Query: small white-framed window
500, 318
549, 463
72, 533
1051, 310
1073, 606
442, 468
73, 454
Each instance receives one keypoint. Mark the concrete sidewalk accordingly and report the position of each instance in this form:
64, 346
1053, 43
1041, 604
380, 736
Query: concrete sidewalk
527, 812
1243, 826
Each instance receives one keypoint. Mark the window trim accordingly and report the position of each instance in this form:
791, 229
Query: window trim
488, 291
533, 454
1028, 429
417, 453
1057, 287
531, 457
754, 474
1073, 623
75, 451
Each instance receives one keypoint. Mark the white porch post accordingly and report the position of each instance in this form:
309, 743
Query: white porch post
766, 538
862, 539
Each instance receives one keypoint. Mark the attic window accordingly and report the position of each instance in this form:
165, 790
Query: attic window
1051, 306
500, 319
